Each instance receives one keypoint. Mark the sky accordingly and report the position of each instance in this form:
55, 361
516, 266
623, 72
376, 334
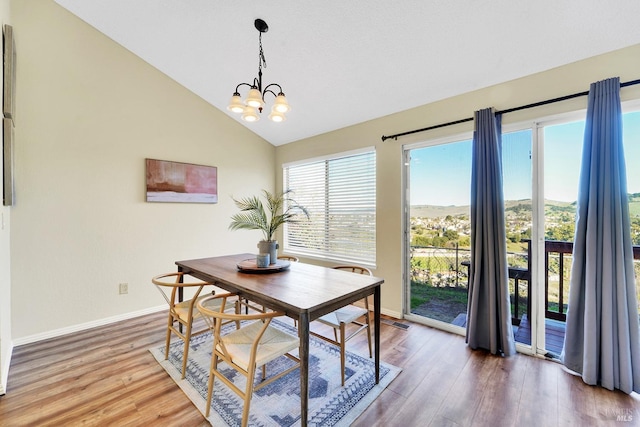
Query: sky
441, 175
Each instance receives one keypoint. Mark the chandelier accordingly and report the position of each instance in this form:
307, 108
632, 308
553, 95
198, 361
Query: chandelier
254, 102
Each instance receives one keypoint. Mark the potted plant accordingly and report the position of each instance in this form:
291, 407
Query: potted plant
254, 216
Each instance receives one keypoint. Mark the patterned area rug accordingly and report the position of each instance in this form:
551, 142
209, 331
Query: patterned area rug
278, 404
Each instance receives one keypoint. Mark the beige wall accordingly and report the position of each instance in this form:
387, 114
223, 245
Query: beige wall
88, 113
572, 78
5, 269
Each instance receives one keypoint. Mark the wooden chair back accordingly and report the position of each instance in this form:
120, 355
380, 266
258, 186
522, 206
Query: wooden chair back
241, 349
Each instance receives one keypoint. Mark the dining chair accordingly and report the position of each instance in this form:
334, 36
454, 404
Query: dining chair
342, 317
249, 347
181, 312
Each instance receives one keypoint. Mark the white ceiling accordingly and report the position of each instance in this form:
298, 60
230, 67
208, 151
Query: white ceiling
345, 62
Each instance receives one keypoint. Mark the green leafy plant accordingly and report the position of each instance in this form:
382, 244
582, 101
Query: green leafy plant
254, 216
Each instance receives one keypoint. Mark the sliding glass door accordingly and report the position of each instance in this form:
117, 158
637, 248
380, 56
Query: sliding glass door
439, 233
439, 181
517, 155
541, 168
562, 146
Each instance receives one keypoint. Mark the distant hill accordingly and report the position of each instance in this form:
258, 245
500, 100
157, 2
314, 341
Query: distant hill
432, 211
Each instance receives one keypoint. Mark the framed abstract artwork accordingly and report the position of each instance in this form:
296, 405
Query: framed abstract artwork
169, 181
9, 83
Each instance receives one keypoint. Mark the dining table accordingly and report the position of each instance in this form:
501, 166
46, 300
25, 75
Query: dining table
301, 291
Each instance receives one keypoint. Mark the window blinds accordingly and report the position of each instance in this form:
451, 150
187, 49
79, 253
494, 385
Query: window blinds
340, 194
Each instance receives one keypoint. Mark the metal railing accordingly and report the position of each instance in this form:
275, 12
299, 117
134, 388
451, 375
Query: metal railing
557, 262
451, 267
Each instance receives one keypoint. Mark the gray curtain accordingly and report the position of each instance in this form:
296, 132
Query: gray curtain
488, 310
601, 341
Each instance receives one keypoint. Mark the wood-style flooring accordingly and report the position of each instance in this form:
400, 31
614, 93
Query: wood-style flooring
107, 377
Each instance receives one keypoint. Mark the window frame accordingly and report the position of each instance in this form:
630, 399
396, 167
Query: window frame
325, 253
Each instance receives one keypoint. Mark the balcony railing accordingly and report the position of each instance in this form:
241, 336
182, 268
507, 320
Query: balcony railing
558, 252
450, 267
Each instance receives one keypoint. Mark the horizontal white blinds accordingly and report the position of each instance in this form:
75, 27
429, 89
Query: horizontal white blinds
340, 194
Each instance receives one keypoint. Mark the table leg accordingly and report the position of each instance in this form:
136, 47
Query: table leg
180, 294
376, 322
303, 330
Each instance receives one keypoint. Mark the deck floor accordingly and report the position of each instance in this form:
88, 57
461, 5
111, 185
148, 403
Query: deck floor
553, 334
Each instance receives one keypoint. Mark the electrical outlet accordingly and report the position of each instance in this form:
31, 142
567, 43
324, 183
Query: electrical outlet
124, 288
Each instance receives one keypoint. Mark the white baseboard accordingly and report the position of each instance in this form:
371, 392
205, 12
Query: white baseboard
101, 322
81, 327
4, 371
391, 313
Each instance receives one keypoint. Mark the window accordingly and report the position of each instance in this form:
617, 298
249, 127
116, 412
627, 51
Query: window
340, 194
541, 164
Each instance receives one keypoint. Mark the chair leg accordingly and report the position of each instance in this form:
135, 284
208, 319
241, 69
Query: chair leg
368, 320
185, 352
213, 367
168, 340
247, 395
239, 311
342, 345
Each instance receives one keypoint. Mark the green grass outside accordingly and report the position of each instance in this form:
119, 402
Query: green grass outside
424, 293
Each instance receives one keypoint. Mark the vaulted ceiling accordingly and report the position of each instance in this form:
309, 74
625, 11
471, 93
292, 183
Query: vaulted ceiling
345, 62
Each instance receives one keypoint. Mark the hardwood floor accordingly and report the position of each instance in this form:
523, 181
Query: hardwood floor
106, 376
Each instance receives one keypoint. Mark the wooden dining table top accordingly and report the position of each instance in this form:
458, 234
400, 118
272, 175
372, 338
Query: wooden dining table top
302, 287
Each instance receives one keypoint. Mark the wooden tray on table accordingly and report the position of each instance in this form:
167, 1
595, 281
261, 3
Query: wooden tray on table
250, 266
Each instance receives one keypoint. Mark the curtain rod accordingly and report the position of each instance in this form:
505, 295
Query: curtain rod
509, 110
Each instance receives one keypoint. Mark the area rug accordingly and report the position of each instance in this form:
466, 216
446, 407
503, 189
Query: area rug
278, 404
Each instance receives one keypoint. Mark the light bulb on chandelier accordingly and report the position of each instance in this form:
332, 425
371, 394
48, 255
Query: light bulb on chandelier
254, 102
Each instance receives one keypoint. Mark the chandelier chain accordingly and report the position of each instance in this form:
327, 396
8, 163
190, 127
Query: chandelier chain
261, 59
